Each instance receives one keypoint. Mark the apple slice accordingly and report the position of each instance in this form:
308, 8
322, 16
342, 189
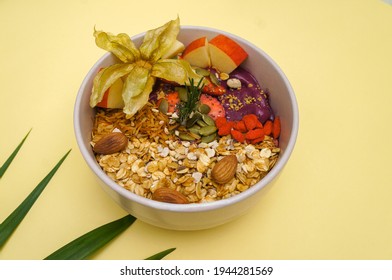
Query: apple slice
113, 96
196, 53
225, 54
175, 49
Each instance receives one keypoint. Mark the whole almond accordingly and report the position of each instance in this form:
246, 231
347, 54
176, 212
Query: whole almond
224, 170
111, 143
168, 195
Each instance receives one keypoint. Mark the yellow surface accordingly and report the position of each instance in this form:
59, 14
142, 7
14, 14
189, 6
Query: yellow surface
333, 200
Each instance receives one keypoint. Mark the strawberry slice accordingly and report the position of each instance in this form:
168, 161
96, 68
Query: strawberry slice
172, 99
217, 109
215, 105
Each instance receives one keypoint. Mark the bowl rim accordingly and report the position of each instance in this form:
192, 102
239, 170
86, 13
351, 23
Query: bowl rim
192, 207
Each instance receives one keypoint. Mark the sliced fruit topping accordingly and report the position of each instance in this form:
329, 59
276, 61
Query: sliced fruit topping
225, 53
216, 107
196, 53
173, 99
221, 53
112, 97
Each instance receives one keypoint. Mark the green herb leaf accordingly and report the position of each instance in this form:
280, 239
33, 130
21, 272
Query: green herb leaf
82, 247
193, 96
161, 255
7, 163
13, 220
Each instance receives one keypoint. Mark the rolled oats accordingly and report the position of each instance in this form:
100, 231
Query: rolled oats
156, 158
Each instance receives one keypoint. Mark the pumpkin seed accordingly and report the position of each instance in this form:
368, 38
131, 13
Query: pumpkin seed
208, 138
207, 130
202, 72
186, 136
208, 120
214, 79
204, 108
163, 106
192, 121
194, 129
182, 93
194, 135
201, 123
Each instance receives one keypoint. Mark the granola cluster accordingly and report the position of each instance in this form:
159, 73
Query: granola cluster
155, 157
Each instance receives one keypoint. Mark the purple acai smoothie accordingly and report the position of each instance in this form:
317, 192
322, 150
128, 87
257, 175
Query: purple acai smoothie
250, 98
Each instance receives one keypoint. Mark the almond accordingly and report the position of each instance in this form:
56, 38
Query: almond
168, 195
111, 143
224, 170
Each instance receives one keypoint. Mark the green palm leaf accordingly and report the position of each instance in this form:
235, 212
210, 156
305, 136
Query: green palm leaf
82, 247
7, 163
161, 255
13, 220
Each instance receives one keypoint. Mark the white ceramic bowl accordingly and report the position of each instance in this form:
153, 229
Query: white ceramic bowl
204, 215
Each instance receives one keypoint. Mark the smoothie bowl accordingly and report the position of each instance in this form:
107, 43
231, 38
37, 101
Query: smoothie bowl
183, 126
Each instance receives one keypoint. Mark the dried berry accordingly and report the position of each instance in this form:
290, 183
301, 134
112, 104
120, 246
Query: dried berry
238, 136
276, 128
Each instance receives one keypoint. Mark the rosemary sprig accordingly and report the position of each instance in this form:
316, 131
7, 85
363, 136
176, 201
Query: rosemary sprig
187, 107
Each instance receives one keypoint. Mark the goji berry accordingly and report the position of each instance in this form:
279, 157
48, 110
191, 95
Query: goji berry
276, 128
225, 129
259, 124
240, 126
251, 121
238, 136
268, 127
255, 133
257, 140
220, 121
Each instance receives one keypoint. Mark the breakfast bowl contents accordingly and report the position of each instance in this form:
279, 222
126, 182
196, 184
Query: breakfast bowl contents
183, 125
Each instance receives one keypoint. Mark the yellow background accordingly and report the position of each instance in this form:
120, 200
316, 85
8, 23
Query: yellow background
333, 199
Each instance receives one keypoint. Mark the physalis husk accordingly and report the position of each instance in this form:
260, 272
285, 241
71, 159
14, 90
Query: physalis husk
139, 67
